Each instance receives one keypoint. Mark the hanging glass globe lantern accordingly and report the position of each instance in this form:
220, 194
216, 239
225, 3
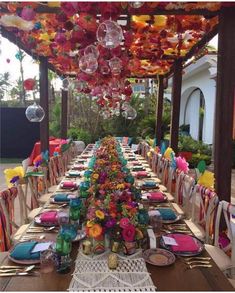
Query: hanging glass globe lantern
136, 4
129, 113
114, 84
115, 65
35, 113
65, 84
91, 50
109, 34
104, 67
88, 64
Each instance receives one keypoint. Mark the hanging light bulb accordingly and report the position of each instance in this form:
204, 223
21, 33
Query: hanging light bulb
65, 84
136, 4
91, 50
129, 113
88, 64
35, 113
115, 65
109, 34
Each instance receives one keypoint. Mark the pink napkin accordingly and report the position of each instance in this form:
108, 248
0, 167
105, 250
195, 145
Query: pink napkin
49, 217
79, 167
68, 184
141, 174
156, 196
185, 243
135, 163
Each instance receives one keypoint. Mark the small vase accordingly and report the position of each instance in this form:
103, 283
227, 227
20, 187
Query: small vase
99, 246
129, 247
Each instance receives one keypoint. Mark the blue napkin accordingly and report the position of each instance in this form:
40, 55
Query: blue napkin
23, 251
61, 197
167, 214
149, 184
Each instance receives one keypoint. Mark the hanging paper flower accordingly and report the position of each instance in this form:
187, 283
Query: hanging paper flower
69, 8
207, 179
167, 153
29, 84
87, 22
13, 173
182, 164
17, 22
28, 13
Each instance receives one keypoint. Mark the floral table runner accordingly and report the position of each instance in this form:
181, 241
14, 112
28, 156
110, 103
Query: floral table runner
93, 274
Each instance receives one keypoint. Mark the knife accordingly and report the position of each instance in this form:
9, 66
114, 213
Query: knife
17, 274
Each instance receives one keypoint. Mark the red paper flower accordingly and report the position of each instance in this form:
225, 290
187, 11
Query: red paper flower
29, 84
69, 8
128, 233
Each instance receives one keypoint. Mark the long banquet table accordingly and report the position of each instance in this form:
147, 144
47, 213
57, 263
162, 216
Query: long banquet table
177, 277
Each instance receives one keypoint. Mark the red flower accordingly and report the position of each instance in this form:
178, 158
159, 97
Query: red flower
87, 22
124, 222
29, 84
128, 233
69, 8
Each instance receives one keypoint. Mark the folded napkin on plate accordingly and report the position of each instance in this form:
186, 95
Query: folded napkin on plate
142, 174
138, 168
167, 214
68, 184
61, 197
136, 163
149, 184
79, 167
22, 251
185, 243
74, 173
49, 217
156, 195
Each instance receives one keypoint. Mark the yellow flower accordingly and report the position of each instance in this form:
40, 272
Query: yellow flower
120, 186
95, 176
168, 152
89, 224
10, 173
207, 179
99, 214
95, 231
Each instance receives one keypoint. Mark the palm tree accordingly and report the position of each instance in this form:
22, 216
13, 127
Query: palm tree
4, 83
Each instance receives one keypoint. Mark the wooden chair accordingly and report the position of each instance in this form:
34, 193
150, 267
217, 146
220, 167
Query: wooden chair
200, 205
218, 253
7, 212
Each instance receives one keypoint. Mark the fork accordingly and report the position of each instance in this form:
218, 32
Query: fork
197, 258
199, 266
207, 262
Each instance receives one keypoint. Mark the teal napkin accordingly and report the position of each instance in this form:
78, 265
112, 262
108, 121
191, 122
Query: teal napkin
167, 214
61, 197
149, 184
23, 251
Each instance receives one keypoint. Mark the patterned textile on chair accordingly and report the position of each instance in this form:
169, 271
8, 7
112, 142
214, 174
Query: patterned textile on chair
8, 196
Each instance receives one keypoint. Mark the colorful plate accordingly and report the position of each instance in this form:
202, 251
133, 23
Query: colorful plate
159, 257
197, 241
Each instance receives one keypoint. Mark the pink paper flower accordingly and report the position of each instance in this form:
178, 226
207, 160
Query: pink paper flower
128, 233
28, 13
124, 222
182, 164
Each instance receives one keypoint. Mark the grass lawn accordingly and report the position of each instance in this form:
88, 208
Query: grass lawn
11, 161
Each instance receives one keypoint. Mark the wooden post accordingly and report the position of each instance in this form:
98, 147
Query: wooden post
175, 104
224, 103
44, 94
64, 113
159, 109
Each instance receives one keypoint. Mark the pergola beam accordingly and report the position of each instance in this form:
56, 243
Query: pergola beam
44, 96
64, 113
225, 92
175, 105
159, 109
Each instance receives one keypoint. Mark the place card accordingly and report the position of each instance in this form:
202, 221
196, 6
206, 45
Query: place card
169, 240
42, 246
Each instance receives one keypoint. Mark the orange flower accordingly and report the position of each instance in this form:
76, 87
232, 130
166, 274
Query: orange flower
95, 231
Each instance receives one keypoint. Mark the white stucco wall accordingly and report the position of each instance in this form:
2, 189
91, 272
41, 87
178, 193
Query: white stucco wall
199, 75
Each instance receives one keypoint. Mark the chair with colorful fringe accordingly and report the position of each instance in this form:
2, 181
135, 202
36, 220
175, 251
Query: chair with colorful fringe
9, 229
199, 204
223, 249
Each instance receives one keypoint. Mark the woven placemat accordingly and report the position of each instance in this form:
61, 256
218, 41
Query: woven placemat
92, 274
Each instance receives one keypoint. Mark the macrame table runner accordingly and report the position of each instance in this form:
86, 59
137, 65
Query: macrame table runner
93, 274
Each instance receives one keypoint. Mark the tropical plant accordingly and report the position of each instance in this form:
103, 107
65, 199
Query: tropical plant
54, 124
4, 83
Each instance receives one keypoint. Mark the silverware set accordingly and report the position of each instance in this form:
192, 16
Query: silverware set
8, 271
197, 261
42, 229
31, 237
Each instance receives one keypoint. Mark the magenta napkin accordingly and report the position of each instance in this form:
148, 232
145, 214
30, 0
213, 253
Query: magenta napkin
185, 243
156, 196
141, 174
69, 184
49, 217
79, 167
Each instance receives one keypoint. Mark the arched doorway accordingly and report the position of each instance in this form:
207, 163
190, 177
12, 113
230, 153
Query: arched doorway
194, 113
